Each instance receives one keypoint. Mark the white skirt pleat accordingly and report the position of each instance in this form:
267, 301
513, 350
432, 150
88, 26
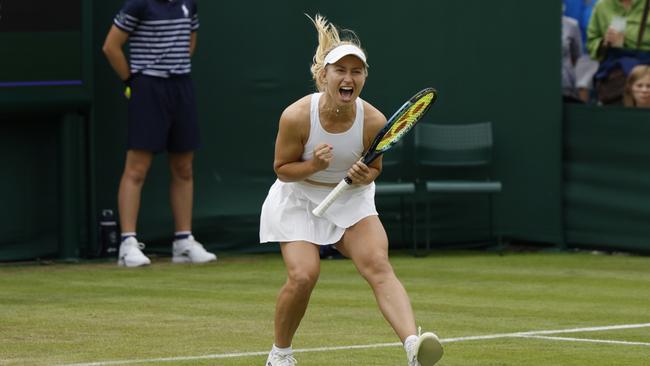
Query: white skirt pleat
287, 212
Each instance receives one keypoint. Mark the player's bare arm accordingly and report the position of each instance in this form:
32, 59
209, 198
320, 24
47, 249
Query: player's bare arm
293, 133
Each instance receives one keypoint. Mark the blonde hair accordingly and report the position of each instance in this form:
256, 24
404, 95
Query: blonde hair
329, 38
638, 72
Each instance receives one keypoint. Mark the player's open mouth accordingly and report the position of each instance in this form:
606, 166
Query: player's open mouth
346, 92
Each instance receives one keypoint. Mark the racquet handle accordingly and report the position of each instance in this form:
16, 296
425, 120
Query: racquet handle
343, 185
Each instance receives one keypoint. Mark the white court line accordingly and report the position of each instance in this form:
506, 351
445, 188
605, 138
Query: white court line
590, 329
540, 332
587, 340
530, 334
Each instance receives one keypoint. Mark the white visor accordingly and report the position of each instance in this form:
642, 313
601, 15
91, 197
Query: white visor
343, 50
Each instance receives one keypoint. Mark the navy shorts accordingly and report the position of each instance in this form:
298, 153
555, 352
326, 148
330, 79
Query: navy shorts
163, 114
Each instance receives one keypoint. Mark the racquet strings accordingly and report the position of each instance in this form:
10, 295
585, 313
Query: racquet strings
406, 120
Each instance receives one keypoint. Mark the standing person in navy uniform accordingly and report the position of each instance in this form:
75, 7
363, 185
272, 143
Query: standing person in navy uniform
162, 115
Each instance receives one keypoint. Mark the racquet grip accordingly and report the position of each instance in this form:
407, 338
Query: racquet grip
332, 196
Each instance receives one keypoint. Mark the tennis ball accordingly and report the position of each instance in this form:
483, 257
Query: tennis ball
127, 92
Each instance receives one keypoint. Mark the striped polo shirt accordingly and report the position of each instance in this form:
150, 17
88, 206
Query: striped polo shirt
159, 35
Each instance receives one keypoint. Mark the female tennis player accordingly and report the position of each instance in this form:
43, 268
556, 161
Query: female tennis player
320, 140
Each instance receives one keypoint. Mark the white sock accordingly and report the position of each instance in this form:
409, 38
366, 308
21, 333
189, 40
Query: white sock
125, 236
282, 351
410, 339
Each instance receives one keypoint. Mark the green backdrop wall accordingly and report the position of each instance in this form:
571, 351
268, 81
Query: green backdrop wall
489, 60
44, 135
607, 197
249, 65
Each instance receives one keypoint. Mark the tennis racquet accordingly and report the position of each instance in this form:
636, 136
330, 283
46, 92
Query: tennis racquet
397, 126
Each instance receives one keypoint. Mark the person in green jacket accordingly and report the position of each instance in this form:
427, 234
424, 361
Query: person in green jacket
615, 23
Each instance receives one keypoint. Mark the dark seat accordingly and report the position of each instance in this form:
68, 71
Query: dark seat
457, 159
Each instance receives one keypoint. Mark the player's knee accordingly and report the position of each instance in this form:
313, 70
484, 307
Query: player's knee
303, 280
376, 268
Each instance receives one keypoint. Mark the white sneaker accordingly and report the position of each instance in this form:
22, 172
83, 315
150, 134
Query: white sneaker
190, 251
130, 254
425, 351
277, 359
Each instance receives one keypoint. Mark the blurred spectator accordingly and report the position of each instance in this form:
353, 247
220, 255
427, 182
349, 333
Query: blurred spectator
585, 70
615, 24
571, 51
580, 10
585, 67
637, 87
616, 37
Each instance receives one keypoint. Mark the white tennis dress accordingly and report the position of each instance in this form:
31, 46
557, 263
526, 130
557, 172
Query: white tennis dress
287, 211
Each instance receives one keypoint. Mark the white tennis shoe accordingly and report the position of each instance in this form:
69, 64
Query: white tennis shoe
130, 254
278, 359
425, 351
190, 251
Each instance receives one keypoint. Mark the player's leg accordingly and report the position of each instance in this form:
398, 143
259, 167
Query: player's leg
366, 244
302, 262
136, 168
